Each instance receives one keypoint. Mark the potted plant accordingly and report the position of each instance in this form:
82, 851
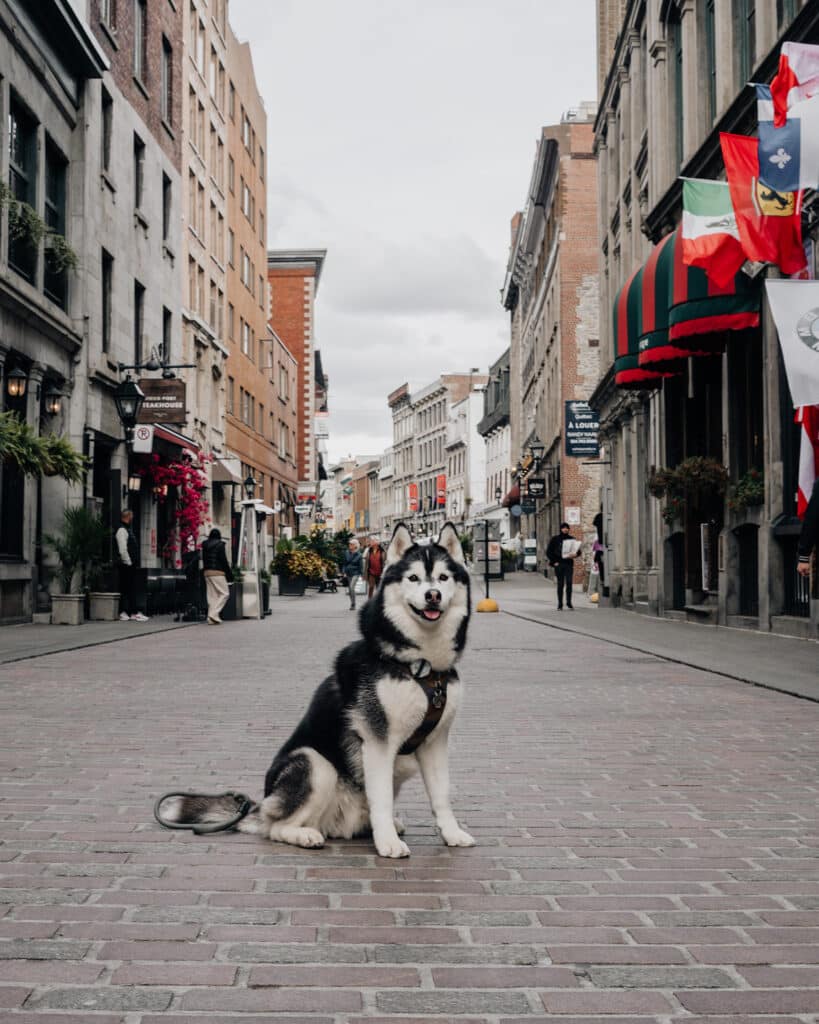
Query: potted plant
747, 492
295, 566
233, 605
68, 606
691, 480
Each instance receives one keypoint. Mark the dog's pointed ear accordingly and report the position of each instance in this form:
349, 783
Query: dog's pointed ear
400, 544
449, 540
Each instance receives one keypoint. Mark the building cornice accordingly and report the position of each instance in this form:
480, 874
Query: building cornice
297, 259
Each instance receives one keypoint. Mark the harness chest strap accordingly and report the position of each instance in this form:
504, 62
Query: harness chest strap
434, 685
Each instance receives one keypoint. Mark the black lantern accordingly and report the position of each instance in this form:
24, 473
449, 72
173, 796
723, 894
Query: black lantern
16, 381
537, 448
52, 401
250, 486
498, 494
128, 399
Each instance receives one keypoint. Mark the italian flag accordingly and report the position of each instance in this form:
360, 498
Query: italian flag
710, 238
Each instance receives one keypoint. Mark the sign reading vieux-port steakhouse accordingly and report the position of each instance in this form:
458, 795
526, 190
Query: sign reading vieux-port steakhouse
164, 401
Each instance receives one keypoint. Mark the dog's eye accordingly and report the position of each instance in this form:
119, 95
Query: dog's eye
414, 578
443, 577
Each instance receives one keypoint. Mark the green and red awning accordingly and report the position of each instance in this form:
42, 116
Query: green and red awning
667, 312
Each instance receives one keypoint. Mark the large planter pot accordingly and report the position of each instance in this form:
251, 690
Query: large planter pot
232, 609
103, 607
292, 586
265, 598
67, 609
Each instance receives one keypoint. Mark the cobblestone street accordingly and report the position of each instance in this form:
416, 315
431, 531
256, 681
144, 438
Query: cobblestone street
648, 847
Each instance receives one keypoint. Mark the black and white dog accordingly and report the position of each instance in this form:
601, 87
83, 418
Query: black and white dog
384, 713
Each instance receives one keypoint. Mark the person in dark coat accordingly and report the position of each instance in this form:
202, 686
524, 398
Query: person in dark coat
216, 571
809, 537
352, 568
560, 554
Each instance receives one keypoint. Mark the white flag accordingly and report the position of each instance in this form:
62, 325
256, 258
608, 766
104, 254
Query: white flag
795, 308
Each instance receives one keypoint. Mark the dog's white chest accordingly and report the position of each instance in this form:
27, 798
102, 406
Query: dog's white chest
404, 703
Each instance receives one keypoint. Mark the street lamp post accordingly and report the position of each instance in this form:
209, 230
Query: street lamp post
128, 399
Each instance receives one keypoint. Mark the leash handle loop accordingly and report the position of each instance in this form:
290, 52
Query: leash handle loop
244, 805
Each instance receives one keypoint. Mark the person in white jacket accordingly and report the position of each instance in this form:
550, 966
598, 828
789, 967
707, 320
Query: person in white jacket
127, 561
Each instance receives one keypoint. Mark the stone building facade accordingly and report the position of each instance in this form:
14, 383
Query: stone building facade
688, 372
551, 291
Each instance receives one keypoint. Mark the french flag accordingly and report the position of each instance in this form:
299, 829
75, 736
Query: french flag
796, 80
788, 156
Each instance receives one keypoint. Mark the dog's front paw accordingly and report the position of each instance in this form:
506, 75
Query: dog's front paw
391, 847
457, 837
400, 827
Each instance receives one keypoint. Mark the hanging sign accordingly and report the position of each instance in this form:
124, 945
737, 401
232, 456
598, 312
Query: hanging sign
412, 496
440, 490
582, 426
164, 401
536, 487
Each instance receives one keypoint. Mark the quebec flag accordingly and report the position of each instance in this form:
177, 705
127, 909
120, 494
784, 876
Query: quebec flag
788, 156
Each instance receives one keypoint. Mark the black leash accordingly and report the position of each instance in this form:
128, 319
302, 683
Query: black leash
244, 805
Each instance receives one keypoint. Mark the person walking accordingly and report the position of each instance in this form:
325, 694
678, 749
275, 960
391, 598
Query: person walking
373, 565
352, 568
809, 537
560, 554
127, 562
596, 578
217, 575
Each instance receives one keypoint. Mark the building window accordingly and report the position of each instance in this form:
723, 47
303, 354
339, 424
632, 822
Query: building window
167, 337
785, 13
107, 296
675, 37
166, 96
107, 128
200, 45
261, 163
230, 395
261, 292
261, 227
139, 171
139, 320
231, 247
167, 199
140, 39
231, 320
231, 174
55, 279
22, 254
283, 433
212, 75
108, 14
711, 58
284, 383
232, 101
745, 38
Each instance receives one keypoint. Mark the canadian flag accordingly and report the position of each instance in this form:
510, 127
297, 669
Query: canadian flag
808, 416
796, 80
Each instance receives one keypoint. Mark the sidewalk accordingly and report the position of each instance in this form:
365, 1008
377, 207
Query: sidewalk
780, 663
32, 640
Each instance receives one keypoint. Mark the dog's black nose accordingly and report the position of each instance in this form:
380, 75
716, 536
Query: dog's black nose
433, 597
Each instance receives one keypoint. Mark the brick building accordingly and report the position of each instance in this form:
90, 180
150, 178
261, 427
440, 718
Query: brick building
252, 420
293, 277
551, 291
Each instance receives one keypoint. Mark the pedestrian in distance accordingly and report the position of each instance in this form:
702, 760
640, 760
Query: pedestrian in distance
127, 554
373, 565
596, 572
561, 552
809, 537
352, 568
216, 570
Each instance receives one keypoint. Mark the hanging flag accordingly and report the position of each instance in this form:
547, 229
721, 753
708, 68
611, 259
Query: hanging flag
710, 238
440, 490
412, 497
769, 222
788, 155
795, 309
808, 417
796, 80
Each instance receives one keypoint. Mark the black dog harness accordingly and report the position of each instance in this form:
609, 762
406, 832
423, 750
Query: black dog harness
434, 685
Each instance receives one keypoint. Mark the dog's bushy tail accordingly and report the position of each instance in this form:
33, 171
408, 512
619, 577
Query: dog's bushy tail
195, 809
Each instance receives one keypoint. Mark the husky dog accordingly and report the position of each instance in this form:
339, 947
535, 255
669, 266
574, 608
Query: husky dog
385, 712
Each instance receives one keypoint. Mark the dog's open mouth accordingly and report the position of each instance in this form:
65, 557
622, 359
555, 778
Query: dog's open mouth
430, 614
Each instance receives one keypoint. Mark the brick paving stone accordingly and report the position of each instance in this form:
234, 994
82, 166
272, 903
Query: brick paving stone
640, 831
12, 996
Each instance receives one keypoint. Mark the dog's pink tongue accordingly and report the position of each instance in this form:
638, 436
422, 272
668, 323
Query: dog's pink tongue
432, 614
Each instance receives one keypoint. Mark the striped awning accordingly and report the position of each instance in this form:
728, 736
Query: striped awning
667, 312
627, 330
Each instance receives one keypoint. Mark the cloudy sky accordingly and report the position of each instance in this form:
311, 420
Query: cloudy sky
401, 138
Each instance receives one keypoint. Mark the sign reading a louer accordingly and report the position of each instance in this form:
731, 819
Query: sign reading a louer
164, 401
582, 425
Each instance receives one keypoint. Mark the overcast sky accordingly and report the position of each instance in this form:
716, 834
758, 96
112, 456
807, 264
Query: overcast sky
401, 138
